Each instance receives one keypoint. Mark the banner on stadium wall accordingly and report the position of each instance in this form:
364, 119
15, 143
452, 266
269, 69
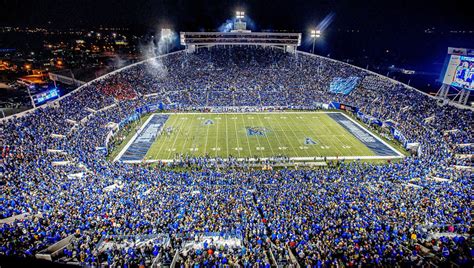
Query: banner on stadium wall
397, 135
155, 107
142, 110
334, 105
101, 150
321, 105
388, 124
151, 108
368, 119
376, 121
349, 108
343, 106
134, 117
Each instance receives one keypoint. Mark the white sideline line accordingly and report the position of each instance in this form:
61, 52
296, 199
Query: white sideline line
130, 142
375, 136
291, 158
277, 112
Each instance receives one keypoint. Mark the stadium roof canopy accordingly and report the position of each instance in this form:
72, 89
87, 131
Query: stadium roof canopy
240, 38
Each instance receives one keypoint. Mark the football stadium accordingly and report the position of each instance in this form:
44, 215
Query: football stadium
239, 150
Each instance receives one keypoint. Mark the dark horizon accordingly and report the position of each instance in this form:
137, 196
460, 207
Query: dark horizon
368, 33
183, 15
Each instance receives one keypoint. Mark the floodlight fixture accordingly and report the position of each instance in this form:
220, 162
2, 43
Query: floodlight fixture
315, 34
166, 33
240, 15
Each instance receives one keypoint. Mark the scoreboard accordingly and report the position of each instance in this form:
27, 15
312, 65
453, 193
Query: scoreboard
43, 97
459, 68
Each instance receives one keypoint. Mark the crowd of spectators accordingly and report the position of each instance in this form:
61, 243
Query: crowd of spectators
57, 183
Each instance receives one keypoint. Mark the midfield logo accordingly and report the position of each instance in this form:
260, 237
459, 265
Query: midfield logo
309, 141
208, 122
256, 131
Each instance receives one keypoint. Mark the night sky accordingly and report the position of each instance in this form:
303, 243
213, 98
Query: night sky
298, 15
386, 32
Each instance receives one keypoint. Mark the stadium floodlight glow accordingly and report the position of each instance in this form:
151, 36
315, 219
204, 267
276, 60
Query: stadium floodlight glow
166, 39
315, 34
166, 33
240, 15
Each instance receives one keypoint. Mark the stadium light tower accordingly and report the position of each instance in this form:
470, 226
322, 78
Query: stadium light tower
239, 24
240, 15
166, 37
315, 34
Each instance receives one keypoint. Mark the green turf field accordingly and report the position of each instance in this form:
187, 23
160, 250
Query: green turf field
298, 135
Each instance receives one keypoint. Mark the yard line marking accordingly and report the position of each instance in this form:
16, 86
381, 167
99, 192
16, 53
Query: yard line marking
176, 138
157, 155
195, 128
287, 139
330, 130
307, 132
347, 139
186, 139
268, 140
294, 134
226, 137
247, 136
237, 136
343, 138
207, 136
217, 137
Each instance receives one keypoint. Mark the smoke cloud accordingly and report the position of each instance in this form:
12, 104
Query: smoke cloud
156, 47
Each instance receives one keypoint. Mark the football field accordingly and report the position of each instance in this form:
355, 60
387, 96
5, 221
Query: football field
299, 135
